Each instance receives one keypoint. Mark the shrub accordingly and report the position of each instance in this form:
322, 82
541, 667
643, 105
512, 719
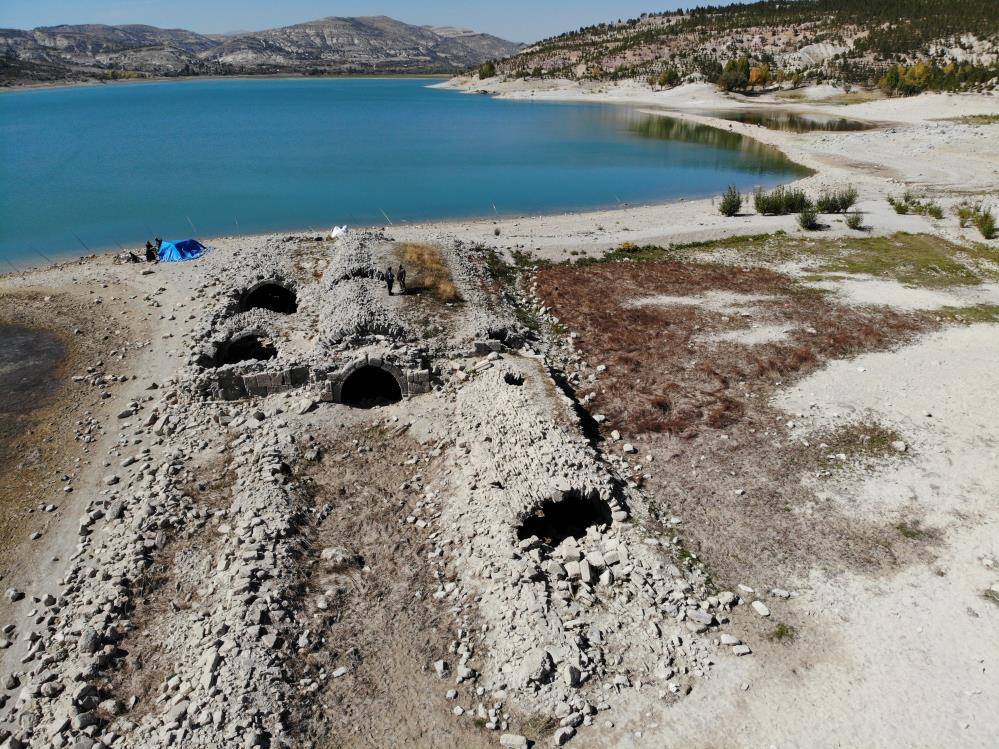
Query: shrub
900, 206
808, 219
668, 78
837, 201
487, 70
965, 213
986, 222
912, 203
780, 202
855, 221
731, 202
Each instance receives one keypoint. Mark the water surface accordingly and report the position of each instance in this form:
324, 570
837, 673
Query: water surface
113, 165
29, 361
793, 122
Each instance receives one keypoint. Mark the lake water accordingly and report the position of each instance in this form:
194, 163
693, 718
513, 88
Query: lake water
793, 122
29, 375
28, 362
114, 165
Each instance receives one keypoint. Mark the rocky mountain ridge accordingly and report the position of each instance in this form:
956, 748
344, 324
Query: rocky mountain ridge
849, 40
332, 45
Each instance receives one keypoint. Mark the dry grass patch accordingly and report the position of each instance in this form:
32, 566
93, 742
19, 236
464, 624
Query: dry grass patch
661, 376
427, 272
725, 462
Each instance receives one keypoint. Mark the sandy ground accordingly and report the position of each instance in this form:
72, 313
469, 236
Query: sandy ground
905, 660
901, 659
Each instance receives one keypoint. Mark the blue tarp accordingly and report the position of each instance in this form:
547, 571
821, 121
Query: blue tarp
181, 249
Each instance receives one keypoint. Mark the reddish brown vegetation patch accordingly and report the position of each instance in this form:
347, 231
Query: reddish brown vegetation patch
724, 460
662, 377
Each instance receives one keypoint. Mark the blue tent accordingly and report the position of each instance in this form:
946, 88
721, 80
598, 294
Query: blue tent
182, 249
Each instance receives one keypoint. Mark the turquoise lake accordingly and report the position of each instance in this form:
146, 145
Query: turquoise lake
114, 165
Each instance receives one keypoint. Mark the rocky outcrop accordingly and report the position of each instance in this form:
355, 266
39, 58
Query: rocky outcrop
330, 45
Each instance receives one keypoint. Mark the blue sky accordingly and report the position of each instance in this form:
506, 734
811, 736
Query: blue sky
519, 20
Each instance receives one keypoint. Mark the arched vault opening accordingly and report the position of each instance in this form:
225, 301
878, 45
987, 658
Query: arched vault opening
249, 347
369, 386
272, 296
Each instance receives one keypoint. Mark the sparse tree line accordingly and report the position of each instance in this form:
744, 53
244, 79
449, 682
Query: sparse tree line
896, 49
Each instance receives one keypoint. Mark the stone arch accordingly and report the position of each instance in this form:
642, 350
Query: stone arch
252, 345
271, 294
370, 382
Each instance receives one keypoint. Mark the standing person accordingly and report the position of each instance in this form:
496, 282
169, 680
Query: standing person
401, 277
389, 279
151, 255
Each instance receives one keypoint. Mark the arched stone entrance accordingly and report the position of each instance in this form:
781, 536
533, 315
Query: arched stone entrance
368, 383
270, 295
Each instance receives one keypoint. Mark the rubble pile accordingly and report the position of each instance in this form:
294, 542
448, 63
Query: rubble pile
566, 603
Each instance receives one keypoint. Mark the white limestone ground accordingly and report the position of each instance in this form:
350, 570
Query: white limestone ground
726, 302
751, 336
861, 290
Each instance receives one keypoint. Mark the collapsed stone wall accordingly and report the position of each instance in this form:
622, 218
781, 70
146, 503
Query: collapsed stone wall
605, 611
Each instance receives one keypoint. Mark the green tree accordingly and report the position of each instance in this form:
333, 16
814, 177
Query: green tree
733, 80
668, 78
487, 70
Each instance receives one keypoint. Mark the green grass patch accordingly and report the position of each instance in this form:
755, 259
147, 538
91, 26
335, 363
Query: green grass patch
914, 259
975, 313
783, 633
976, 119
500, 270
736, 242
866, 440
649, 253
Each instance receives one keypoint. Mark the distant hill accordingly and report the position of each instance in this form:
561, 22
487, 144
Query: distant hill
852, 40
376, 44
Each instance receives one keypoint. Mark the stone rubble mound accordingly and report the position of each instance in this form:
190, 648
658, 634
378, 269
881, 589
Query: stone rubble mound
567, 603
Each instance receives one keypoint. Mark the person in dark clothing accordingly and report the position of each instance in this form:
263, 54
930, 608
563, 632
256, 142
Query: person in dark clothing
159, 244
151, 255
401, 278
389, 279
